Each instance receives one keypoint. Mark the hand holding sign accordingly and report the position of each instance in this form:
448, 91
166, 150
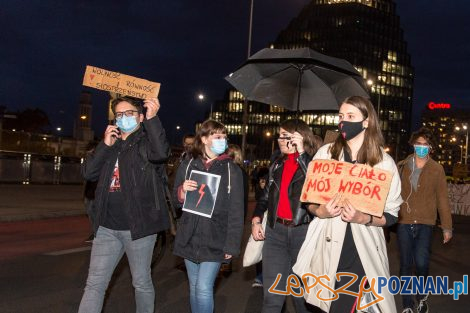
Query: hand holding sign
332, 208
365, 188
153, 106
189, 185
351, 215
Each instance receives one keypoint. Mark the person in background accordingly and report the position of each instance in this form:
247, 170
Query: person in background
188, 142
88, 198
206, 242
354, 240
424, 189
259, 191
254, 177
129, 206
89, 195
288, 218
235, 152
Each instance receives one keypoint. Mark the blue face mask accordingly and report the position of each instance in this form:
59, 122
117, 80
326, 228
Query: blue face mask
421, 151
219, 146
127, 123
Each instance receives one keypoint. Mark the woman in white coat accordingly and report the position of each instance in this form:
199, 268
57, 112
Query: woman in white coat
342, 238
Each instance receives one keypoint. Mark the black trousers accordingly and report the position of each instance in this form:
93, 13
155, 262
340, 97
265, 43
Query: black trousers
349, 262
280, 250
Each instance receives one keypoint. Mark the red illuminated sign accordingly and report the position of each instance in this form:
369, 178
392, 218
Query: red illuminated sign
432, 106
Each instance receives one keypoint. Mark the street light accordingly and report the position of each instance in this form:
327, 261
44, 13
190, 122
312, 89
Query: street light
269, 134
454, 140
371, 84
201, 98
245, 102
465, 128
59, 140
175, 134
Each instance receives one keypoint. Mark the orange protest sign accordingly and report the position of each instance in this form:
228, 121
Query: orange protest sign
120, 83
365, 187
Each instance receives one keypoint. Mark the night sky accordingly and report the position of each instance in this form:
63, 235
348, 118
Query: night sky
189, 46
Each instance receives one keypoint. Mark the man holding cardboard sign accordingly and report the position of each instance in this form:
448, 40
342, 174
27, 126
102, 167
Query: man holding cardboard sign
129, 207
355, 195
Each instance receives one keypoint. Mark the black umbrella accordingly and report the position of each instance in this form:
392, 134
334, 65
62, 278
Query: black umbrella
297, 79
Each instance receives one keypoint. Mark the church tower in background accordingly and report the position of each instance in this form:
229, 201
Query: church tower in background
82, 130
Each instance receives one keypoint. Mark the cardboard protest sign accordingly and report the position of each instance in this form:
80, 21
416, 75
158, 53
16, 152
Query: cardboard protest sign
120, 83
202, 200
365, 187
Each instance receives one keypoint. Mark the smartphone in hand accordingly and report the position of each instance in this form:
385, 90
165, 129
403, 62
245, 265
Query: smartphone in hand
113, 122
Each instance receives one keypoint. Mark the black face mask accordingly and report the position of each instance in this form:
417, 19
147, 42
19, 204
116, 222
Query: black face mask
349, 130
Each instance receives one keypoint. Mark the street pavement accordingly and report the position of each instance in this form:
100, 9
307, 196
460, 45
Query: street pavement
32, 202
44, 262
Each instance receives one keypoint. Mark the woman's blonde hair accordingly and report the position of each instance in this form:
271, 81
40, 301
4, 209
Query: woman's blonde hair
371, 149
235, 152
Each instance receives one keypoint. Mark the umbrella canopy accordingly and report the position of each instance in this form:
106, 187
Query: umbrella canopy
297, 79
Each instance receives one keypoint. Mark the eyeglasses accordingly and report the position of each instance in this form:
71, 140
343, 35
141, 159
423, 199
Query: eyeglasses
284, 138
127, 113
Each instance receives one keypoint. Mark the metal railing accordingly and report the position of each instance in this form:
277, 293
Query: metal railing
31, 168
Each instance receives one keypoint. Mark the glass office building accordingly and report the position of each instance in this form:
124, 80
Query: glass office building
367, 34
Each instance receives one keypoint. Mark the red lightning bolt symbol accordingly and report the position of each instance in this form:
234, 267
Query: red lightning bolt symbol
201, 192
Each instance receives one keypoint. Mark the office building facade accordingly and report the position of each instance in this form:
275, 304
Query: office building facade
367, 34
450, 128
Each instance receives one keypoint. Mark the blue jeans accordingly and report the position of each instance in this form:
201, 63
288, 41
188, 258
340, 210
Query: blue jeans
108, 248
414, 242
201, 285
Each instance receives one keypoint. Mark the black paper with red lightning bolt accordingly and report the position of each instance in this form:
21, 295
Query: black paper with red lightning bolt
201, 192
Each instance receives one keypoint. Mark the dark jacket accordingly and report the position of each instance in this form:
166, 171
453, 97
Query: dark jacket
141, 167
270, 196
203, 239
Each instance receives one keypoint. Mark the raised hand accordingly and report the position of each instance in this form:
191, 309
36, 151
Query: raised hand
152, 105
298, 141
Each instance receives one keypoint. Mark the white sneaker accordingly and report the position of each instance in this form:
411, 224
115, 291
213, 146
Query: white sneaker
423, 306
407, 310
